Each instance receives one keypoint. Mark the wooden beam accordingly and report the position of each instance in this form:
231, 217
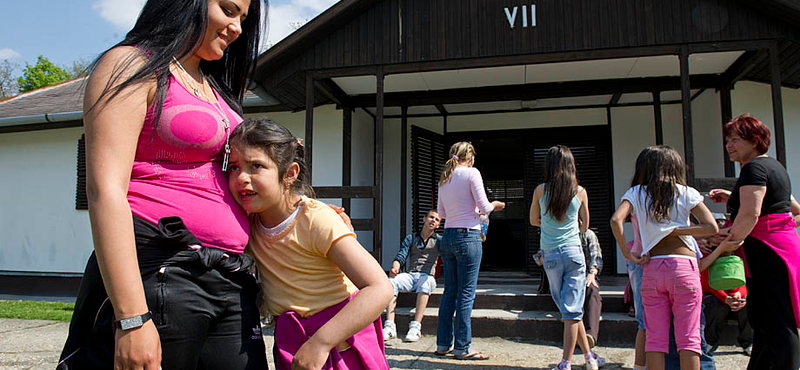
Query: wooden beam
726, 110
615, 98
333, 91
742, 66
345, 192
697, 94
777, 104
347, 151
706, 184
688, 134
658, 117
441, 109
543, 109
403, 170
537, 91
309, 134
377, 203
368, 112
362, 224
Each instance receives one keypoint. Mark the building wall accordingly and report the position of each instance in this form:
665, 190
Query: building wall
41, 230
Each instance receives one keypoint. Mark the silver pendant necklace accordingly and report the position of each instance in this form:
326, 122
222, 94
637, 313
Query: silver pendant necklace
198, 91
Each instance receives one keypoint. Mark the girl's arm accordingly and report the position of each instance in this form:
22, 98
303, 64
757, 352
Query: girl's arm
750, 199
583, 211
796, 212
536, 212
719, 195
726, 246
479, 194
707, 227
617, 220
367, 305
112, 129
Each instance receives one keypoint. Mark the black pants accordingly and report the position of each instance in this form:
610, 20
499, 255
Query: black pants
716, 312
203, 305
592, 306
769, 310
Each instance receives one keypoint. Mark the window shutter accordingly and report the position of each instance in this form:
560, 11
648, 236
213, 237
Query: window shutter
81, 202
428, 154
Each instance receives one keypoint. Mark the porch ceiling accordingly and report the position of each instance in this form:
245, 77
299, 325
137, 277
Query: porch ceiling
656, 66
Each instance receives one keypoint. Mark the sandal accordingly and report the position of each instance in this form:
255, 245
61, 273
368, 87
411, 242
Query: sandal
476, 356
439, 353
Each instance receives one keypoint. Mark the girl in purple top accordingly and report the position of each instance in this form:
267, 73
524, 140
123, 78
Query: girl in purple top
168, 269
461, 200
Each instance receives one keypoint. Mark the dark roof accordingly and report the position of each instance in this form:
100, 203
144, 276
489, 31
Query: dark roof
65, 97
61, 98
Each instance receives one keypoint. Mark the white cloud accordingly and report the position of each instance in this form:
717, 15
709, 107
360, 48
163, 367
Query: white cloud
284, 18
9, 54
120, 13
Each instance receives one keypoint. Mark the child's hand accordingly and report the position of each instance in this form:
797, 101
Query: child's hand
343, 215
311, 356
637, 259
591, 281
705, 246
729, 245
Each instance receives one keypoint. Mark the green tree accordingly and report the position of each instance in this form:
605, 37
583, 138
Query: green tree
43, 73
8, 84
79, 68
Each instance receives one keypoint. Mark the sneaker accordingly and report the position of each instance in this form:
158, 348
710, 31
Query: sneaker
591, 363
563, 365
414, 331
601, 361
748, 350
389, 331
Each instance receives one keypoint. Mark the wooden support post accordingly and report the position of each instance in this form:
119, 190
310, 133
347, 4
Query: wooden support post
309, 140
726, 111
777, 104
377, 203
347, 143
686, 103
403, 170
658, 117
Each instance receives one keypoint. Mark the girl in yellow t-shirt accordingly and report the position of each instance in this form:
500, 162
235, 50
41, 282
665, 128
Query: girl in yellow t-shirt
325, 290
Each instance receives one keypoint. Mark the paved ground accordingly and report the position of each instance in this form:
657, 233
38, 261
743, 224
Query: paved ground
36, 344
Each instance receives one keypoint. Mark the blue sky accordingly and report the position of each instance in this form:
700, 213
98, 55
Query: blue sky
68, 30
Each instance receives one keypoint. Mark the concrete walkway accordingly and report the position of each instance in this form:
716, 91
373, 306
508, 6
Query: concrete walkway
36, 344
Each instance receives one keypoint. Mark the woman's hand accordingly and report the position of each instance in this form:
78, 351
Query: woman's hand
498, 205
311, 356
138, 348
728, 245
591, 280
719, 195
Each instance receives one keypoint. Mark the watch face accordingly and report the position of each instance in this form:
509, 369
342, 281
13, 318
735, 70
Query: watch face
130, 323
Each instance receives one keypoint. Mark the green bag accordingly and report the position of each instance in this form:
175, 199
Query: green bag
726, 273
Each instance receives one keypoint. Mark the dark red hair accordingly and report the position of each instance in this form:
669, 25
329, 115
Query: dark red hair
751, 129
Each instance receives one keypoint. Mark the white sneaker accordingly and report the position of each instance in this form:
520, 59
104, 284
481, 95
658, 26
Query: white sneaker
601, 361
414, 331
591, 363
389, 331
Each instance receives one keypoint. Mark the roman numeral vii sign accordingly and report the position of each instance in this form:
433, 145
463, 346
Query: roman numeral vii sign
511, 16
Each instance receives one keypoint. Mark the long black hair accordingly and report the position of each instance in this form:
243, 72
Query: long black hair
660, 169
279, 144
174, 28
560, 180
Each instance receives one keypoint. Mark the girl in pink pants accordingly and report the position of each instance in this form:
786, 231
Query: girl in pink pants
662, 204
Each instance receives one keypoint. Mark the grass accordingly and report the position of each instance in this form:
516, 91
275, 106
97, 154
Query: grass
34, 310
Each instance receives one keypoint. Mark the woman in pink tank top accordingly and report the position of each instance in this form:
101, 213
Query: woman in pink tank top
168, 285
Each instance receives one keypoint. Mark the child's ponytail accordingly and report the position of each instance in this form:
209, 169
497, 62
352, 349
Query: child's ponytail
302, 185
461, 152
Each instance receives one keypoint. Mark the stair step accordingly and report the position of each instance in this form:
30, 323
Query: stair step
515, 297
532, 325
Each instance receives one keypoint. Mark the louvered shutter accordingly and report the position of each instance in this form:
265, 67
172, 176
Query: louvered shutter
81, 202
428, 154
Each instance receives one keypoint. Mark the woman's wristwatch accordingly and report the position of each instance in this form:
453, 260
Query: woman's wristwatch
133, 322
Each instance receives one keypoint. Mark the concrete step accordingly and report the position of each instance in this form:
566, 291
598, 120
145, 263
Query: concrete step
531, 325
518, 297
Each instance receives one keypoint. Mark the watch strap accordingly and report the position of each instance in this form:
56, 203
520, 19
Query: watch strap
134, 321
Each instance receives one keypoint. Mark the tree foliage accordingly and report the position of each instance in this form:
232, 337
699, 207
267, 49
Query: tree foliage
43, 73
8, 84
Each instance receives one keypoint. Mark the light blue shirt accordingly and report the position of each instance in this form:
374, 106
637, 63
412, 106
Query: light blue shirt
555, 233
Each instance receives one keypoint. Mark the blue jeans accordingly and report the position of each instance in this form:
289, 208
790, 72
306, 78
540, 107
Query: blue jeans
672, 360
635, 276
461, 251
566, 271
